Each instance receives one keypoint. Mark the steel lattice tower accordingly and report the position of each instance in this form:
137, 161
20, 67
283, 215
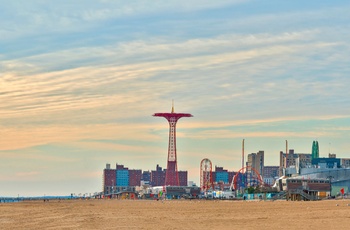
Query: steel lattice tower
172, 176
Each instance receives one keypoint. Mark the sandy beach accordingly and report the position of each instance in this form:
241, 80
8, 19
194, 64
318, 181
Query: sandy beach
175, 214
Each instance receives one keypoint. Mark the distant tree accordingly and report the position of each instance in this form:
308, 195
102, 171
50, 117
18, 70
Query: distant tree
257, 189
250, 190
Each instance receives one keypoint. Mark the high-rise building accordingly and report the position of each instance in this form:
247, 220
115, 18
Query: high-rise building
251, 160
109, 180
135, 177
182, 178
256, 161
304, 160
146, 178
296, 161
260, 159
255, 164
221, 175
158, 176
270, 173
122, 176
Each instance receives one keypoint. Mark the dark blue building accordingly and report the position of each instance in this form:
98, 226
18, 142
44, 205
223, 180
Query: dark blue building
326, 162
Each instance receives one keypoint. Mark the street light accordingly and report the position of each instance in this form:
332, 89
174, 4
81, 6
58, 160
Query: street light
112, 188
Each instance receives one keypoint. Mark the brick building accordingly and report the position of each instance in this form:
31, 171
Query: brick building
109, 180
182, 178
135, 177
158, 176
270, 173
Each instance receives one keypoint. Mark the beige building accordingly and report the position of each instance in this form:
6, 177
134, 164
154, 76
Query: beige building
256, 161
294, 160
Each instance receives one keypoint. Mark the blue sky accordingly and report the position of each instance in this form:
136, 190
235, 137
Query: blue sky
80, 80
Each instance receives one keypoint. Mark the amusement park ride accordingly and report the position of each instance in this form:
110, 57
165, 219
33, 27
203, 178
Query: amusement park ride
172, 176
244, 178
206, 175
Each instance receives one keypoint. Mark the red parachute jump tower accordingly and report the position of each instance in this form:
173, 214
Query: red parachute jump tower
172, 176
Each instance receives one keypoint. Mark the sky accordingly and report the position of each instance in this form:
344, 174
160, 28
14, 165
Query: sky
80, 80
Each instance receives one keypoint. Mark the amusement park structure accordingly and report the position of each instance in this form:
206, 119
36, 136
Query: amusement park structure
246, 177
206, 175
172, 176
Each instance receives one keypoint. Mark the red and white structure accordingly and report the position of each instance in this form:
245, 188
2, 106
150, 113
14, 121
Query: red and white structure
172, 176
206, 175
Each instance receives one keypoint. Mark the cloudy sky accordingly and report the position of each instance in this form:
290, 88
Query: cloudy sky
80, 80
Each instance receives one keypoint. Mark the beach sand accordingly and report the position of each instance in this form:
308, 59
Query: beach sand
175, 214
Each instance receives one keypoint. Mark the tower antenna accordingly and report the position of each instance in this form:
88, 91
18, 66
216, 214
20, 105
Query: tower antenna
172, 107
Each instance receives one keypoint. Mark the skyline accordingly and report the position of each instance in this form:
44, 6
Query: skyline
80, 82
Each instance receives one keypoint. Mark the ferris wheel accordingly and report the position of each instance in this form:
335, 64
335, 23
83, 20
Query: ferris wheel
206, 175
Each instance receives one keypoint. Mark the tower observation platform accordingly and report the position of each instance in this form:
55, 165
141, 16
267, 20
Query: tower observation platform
172, 176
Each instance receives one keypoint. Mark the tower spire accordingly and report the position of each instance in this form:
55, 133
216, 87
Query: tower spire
172, 107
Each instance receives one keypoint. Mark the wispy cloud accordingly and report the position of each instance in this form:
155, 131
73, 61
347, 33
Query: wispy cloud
27, 136
66, 17
219, 134
84, 92
87, 79
27, 174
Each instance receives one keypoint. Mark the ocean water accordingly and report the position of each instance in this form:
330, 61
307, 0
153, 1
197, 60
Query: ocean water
9, 200
19, 199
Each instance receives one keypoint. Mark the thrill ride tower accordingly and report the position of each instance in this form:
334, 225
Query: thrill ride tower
172, 176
